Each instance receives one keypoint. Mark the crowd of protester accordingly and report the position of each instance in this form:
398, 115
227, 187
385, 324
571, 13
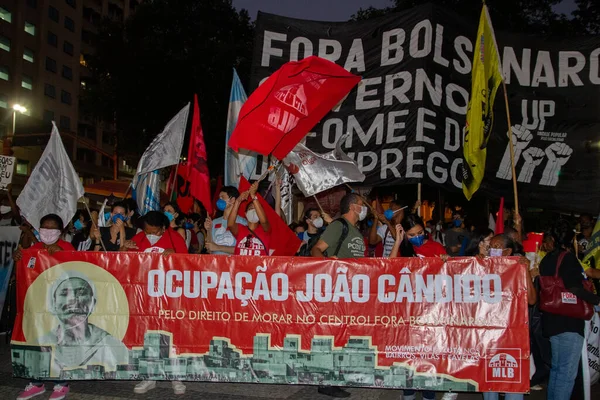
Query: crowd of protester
358, 231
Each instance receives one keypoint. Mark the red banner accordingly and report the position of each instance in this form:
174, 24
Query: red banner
402, 323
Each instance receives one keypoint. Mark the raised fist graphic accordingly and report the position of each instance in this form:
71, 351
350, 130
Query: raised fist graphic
521, 137
533, 157
558, 154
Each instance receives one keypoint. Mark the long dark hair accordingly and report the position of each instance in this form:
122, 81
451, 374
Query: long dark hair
479, 236
409, 222
562, 234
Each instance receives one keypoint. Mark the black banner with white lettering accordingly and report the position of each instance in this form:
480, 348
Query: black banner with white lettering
405, 119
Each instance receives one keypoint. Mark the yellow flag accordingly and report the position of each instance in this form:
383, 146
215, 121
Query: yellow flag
486, 76
592, 255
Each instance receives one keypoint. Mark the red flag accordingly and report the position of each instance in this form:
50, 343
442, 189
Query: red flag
185, 201
284, 241
500, 218
218, 188
197, 168
288, 104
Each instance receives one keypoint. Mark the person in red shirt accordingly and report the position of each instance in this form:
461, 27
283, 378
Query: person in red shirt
157, 237
51, 228
254, 239
412, 240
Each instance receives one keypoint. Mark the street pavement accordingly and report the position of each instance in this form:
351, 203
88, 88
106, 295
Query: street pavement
87, 390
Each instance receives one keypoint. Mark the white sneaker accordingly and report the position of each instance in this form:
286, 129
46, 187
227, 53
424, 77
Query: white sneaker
178, 387
450, 396
144, 386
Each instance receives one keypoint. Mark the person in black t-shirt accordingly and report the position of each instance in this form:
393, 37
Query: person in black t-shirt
82, 224
566, 333
114, 235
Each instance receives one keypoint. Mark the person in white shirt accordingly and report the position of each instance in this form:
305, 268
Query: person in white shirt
219, 239
386, 232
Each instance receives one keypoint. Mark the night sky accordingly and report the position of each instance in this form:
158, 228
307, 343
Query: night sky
331, 10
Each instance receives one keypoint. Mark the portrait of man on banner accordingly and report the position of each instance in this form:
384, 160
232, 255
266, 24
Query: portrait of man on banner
77, 342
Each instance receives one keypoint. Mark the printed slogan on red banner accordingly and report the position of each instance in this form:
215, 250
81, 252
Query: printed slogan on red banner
401, 323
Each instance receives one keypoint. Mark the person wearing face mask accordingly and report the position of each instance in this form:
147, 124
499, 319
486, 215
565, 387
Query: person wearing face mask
504, 246
219, 239
456, 236
116, 233
51, 228
156, 237
584, 238
314, 228
82, 225
479, 245
412, 240
342, 239
176, 219
386, 233
159, 238
252, 239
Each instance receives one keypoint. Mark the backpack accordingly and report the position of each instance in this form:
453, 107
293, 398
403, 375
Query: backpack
306, 249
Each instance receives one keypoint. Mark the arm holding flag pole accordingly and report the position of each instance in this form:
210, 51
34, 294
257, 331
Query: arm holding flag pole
95, 226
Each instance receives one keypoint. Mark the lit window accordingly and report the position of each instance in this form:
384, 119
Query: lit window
3, 101
22, 167
82, 61
5, 14
27, 83
4, 43
30, 28
4, 73
28, 55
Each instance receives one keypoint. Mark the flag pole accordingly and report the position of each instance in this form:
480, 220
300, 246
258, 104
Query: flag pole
174, 179
419, 198
319, 204
512, 150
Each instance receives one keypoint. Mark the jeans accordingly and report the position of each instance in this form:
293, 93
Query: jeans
427, 394
566, 353
507, 396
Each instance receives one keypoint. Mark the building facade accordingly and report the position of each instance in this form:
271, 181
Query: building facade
43, 49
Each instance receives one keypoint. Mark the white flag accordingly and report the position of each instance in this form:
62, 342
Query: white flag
165, 149
146, 192
315, 173
53, 187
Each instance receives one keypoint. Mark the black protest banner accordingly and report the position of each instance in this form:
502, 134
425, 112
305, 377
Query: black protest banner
405, 119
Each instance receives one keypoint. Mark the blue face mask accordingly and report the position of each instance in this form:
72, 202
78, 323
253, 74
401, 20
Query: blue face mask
107, 216
169, 216
370, 223
188, 225
117, 217
221, 204
388, 214
417, 241
300, 235
457, 223
78, 225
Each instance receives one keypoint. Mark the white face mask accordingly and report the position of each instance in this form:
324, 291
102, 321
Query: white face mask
317, 222
252, 216
363, 213
153, 239
5, 209
49, 236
